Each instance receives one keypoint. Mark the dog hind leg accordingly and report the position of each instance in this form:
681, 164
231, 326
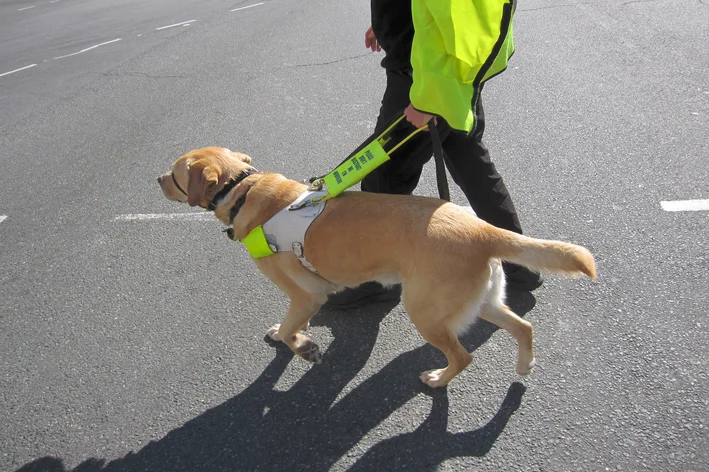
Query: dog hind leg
441, 337
441, 306
501, 316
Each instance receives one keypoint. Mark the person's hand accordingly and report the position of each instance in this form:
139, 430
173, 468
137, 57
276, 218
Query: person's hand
370, 41
415, 117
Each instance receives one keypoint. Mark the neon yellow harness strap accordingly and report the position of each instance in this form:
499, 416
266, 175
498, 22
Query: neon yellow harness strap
255, 242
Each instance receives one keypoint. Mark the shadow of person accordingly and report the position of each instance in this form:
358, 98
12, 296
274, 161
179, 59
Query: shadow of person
306, 427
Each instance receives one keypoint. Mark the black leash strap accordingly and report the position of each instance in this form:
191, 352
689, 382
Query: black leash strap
441, 178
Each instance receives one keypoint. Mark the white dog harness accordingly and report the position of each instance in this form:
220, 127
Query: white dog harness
286, 230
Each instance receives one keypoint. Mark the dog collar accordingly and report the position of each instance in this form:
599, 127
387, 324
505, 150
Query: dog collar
253, 236
235, 211
222, 193
233, 182
237, 206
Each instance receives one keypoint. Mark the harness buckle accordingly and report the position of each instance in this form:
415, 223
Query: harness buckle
298, 206
307, 202
316, 184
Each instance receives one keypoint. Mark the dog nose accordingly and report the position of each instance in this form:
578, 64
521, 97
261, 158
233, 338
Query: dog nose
160, 179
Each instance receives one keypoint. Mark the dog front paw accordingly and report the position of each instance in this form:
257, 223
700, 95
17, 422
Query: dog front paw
272, 333
434, 378
310, 352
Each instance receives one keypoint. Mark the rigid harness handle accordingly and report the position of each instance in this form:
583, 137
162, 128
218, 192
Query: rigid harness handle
375, 151
369, 155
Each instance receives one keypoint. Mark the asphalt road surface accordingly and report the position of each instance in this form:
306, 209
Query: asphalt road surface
132, 342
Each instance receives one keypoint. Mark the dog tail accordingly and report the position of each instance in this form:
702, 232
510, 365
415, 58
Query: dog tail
539, 254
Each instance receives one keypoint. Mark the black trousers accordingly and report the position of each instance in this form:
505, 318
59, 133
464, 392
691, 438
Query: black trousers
467, 160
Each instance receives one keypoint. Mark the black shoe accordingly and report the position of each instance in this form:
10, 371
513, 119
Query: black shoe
369, 292
521, 278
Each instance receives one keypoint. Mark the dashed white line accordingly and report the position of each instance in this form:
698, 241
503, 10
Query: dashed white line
165, 216
88, 49
18, 70
26, 8
176, 24
3, 218
685, 205
250, 6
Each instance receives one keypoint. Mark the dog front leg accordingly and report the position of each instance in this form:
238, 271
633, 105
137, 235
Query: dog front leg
299, 313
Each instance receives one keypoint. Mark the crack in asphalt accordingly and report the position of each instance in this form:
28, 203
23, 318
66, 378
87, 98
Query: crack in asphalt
312, 64
549, 7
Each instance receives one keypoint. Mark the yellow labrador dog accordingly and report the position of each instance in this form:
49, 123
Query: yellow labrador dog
447, 259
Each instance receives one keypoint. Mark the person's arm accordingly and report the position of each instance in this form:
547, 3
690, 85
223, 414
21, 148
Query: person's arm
458, 44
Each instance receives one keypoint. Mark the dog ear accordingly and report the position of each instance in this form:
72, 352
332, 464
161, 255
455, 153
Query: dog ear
202, 182
241, 156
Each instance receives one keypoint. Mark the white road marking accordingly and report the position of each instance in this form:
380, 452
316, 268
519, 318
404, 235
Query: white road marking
166, 216
685, 205
176, 24
54, 1
18, 70
193, 216
3, 218
88, 49
26, 8
250, 6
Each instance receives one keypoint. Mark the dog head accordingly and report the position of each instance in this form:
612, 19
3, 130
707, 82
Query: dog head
199, 175
204, 175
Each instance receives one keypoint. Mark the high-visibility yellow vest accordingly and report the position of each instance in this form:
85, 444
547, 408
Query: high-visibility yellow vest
458, 45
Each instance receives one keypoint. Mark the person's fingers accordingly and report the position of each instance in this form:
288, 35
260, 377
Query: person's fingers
370, 40
417, 118
412, 117
368, 37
